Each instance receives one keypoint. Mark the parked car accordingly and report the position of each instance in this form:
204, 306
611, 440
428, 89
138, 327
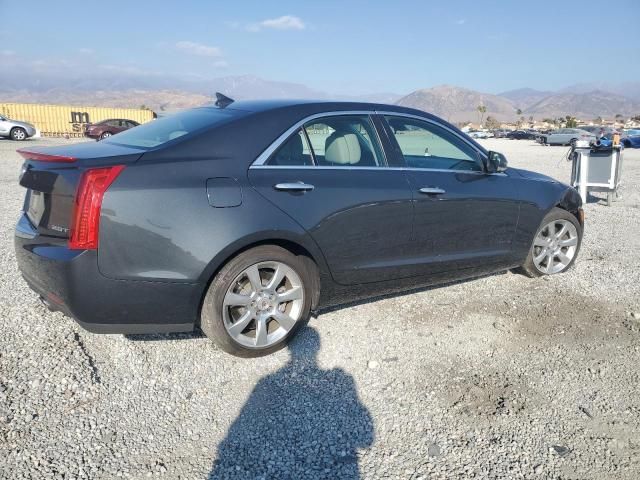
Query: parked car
244, 219
631, 138
15, 129
520, 135
500, 133
106, 128
567, 136
479, 134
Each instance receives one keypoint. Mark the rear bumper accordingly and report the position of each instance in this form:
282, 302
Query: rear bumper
69, 281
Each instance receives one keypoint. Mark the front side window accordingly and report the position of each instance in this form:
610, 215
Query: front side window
425, 145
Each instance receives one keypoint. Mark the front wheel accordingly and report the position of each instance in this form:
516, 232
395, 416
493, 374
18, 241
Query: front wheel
555, 245
258, 301
105, 135
18, 134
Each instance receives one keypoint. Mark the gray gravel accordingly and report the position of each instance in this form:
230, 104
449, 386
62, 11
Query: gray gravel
500, 377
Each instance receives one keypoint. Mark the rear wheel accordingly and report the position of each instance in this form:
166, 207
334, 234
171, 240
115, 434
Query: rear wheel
258, 301
555, 245
18, 134
573, 142
105, 135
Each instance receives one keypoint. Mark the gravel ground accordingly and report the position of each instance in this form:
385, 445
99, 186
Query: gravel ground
500, 377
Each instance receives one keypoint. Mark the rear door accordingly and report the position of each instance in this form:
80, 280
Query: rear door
464, 217
331, 176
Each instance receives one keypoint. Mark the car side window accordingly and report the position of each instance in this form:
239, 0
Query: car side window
425, 145
344, 141
294, 152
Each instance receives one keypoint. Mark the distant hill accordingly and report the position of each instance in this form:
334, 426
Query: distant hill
523, 98
131, 88
457, 104
587, 106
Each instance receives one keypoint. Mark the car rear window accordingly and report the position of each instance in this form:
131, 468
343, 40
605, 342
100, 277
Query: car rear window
165, 129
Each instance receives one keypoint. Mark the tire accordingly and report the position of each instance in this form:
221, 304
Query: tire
233, 282
105, 135
18, 134
559, 217
573, 141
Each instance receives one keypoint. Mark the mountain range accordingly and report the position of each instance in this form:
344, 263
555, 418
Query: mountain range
456, 104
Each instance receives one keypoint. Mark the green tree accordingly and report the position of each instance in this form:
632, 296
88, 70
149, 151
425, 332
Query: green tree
481, 110
518, 112
598, 120
571, 122
144, 107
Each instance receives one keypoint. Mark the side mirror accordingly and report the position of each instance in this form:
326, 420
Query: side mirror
496, 162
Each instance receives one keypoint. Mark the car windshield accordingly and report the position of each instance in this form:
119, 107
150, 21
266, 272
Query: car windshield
163, 130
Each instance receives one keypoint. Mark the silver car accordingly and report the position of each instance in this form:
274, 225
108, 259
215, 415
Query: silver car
15, 130
567, 136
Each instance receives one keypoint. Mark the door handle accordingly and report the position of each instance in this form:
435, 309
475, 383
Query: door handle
432, 191
293, 187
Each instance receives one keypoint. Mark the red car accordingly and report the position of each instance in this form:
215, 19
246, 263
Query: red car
106, 128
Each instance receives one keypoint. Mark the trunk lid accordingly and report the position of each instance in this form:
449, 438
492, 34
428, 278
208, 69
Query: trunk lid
51, 176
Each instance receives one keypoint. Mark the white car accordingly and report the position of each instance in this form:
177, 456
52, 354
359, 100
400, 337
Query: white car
567, 136
479, 134
16, 130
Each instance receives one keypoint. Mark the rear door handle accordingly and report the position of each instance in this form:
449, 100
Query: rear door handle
432, 191
294, 187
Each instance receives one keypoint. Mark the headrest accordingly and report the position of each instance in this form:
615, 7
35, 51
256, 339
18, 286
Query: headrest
342, 148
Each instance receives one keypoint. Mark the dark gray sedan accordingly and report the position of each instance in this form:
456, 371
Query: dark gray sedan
244, 219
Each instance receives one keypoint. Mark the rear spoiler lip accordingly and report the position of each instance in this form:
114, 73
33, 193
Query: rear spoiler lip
44, 157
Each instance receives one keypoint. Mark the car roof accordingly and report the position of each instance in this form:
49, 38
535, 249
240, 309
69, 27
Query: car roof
317, 106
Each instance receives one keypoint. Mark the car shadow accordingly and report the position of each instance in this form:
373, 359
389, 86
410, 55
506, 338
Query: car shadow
300, 422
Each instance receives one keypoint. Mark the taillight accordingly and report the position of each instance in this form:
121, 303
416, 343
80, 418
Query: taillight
45, 157
88, 202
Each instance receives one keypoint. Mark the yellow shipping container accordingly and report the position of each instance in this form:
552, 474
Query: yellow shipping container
68, 120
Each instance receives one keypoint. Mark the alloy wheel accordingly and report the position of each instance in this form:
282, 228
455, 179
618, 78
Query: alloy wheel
263, 303
555, 246
19, 134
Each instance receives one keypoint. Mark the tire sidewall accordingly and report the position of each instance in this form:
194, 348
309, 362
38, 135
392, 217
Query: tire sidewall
211, 320
555, 214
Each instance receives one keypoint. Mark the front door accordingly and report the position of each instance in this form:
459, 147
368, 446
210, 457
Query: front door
331, 176
464, 217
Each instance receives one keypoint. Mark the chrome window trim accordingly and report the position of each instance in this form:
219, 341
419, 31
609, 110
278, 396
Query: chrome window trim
270, 150
384, 169
260, 162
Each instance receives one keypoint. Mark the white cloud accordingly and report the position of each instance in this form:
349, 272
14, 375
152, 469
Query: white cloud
86, 51
221, 64
286, 22
7, 53
461, 21
193, 48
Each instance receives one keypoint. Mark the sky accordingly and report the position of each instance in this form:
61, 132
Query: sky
346, 47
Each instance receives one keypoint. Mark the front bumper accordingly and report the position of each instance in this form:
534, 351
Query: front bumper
69, 281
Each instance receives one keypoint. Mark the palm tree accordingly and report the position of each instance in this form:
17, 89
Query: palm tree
518, 112
481, 110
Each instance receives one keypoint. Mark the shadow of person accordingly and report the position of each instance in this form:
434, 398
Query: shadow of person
299, 422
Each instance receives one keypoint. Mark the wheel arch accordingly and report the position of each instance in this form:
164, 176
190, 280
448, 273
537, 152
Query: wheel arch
572, 203
294, 244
